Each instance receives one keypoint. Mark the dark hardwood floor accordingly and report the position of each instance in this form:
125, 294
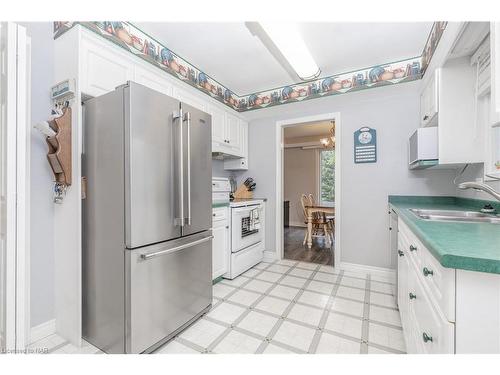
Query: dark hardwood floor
319, 252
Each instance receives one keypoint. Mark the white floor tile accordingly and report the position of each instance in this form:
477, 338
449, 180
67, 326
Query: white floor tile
315, 299
174, 347
236, 282
300, 273
261, 265
357, 274
280, 268
337, 345
272, 305
390, 337
352, 293
237, 343
305, 314
320, 287
202, 333
258, 323
284, 291
383, 299
344, 324
353, 282
326, 277
377, 286
286, 262
384, 315
226, 312
328, 269
244, 297
221, 290
258, 286
348, 307
391, 279
251, 272
269, 276
296, 282
295, 335
274, 349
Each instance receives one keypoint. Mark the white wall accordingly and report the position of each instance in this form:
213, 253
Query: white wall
394, 112
42, 207
471, 173
300, 177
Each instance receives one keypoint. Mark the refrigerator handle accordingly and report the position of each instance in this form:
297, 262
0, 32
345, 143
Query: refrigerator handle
179, 219
187, 118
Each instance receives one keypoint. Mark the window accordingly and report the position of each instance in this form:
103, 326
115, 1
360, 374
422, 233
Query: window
327, 177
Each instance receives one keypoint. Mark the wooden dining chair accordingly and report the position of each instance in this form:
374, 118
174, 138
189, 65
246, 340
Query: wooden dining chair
319, 223
330, 219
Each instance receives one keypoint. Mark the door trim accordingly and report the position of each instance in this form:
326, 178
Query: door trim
280, 125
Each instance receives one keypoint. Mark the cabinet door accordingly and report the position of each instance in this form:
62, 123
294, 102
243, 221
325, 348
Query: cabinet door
153, 80
233, 131
403, 290
429, 105
188, 98
218, 125
220, 249
103, 69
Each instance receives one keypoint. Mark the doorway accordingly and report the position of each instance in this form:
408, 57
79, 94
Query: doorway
308, 176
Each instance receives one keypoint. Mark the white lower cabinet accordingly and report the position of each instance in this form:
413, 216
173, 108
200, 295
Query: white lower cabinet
444, 310
220, 244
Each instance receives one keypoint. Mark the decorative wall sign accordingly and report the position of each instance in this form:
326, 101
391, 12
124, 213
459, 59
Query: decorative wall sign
365, 145
129, 37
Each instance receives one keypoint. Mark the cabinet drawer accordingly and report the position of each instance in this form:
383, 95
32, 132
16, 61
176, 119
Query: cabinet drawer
219, 214
439, 281
432, 333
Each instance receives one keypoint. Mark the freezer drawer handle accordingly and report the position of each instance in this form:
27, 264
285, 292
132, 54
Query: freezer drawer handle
175, 249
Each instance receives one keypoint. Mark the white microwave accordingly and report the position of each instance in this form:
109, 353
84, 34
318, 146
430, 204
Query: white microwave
423, 145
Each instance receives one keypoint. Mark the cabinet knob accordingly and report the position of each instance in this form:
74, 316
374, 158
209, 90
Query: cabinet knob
413, 248
427, 272
213, 215
400, 253
412, 296
425, 117
426, 337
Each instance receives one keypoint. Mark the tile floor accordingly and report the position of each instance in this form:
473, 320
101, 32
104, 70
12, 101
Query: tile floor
288, 307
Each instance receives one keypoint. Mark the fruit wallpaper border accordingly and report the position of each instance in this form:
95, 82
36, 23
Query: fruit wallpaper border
129, 37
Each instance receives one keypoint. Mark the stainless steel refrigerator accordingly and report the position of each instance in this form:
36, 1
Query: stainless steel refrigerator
147, 242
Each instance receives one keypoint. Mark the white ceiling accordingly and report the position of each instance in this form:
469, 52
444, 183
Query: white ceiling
229, 53
308, 130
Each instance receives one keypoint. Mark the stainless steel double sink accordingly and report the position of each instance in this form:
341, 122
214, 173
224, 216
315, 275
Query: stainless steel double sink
459, 216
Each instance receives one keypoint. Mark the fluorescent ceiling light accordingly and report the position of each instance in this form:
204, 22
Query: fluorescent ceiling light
287, 38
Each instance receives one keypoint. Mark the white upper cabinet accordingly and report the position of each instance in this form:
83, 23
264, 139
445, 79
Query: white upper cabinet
185, 96
229, 134
492, 128
102, 70
429, 105
233, 133
218, 125
151, 79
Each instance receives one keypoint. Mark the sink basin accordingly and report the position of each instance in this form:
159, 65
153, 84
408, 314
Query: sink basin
452, 215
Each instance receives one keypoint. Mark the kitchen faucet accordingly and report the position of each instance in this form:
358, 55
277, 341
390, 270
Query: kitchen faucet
479, 186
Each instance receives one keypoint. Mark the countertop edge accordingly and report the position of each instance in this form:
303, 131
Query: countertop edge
448, 260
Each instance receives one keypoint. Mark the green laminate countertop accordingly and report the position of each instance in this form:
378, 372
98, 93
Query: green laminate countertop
217, 205
466, 246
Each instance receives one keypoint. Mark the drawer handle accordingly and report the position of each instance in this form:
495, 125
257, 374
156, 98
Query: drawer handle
175, 249
400, 253
428, 272
412, 296
413, 248
426, 337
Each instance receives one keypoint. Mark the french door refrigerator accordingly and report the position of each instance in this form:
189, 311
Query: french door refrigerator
147, 242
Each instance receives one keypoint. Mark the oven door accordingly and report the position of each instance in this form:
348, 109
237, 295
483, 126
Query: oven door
242, 235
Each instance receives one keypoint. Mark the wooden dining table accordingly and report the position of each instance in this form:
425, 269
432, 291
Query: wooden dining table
311, 210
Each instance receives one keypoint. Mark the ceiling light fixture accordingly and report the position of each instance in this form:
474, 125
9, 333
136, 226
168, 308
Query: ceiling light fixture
287, 38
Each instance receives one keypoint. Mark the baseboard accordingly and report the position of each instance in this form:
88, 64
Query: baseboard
381, 271
42, 330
